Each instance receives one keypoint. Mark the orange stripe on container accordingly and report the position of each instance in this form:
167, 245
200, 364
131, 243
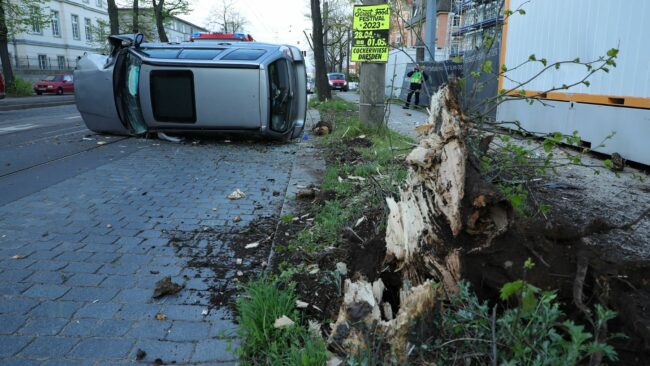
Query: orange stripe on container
613, 100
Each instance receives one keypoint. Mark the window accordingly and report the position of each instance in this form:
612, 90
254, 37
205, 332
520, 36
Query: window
280, 95
42, 62
67, 78
75, 27
172, 96
88, 29
60, 60
244, 54
35, 17
56, 32
194, 54
166, 53
99, 3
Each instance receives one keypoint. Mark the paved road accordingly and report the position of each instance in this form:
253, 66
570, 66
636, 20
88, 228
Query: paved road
401, 120
36, 101
84, 237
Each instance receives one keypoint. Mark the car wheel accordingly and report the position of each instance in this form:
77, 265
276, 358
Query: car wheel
59, 91
39, 93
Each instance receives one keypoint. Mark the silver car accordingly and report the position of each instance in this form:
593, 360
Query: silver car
193, 86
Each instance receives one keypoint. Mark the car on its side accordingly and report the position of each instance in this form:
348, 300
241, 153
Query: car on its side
337, 80
199, 86
59, 84
2, 86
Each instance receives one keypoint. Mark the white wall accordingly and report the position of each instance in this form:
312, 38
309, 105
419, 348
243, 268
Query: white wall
32, 44
565, 29
395, 69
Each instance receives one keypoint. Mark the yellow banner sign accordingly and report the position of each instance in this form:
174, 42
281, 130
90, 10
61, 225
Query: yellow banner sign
371, 17
371, 24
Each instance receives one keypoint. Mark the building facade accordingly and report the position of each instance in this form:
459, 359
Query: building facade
177, 29
58, 44
409, 24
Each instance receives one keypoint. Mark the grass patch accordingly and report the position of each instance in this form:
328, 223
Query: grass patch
266, 300
352, 149
20, 88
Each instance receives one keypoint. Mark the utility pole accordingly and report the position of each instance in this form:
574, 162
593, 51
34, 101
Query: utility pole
372, 82
430, 31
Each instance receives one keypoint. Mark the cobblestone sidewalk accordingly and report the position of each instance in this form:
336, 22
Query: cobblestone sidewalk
79, 260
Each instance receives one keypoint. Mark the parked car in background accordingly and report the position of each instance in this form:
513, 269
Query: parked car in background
311, 85
337, 81
198, 86
2, 86
59, 84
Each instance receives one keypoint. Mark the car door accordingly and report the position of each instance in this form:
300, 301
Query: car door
107, 94
68, 84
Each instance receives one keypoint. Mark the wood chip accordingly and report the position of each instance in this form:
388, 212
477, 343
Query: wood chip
301, 304
252, 245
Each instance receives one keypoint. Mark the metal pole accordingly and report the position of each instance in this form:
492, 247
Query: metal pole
372, 83
430, 31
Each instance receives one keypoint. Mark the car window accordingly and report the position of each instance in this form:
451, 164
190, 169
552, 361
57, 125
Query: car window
280, 93
172, 95
58, 78
244, 54
336, 76
50, 78
194, 54
165, 53
67, 78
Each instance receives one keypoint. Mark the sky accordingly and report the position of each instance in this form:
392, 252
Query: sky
274, 21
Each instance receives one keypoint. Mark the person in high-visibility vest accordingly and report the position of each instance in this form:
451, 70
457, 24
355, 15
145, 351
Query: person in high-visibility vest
416, 78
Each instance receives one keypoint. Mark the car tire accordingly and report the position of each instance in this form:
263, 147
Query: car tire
59, 91
39, 93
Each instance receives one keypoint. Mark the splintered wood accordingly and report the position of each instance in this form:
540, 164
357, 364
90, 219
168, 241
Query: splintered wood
434, 188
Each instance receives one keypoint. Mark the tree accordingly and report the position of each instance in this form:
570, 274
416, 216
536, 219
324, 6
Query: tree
17, 17
136, 15
319, 52
163, 10
225, 17
113, 17
339, 24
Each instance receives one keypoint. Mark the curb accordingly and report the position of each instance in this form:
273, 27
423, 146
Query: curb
13, 107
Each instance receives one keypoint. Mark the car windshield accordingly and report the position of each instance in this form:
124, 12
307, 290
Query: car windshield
336, 76
54, 78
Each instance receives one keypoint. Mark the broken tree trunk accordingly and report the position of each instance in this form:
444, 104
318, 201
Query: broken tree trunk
442, 204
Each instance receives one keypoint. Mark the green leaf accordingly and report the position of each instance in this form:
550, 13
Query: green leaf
504, 68
532, 57
521, 11
529, 264
557, 66
510, 289
543, 61
487, 66
577, 60
612, 52
587, 83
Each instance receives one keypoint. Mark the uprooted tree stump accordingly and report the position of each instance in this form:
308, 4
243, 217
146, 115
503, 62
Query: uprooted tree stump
450, 224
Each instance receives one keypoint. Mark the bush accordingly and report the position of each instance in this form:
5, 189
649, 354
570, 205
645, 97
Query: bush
20, 88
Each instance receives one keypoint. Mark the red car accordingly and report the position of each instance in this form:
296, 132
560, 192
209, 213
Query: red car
58, 84
337, 81
2, 86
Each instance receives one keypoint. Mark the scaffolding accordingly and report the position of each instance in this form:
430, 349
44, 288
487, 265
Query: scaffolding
468, 22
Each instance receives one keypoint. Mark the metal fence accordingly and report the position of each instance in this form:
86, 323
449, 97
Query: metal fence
43, 62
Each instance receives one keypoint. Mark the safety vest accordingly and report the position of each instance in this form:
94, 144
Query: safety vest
416, 77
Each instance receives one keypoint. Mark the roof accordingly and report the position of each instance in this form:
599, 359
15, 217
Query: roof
444, 6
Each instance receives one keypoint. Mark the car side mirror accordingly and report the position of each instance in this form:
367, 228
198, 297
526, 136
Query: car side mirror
138, 40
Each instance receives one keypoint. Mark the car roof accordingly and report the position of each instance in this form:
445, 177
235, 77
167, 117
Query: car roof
212, 44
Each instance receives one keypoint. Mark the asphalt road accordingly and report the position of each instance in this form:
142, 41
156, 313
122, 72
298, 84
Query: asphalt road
40, 147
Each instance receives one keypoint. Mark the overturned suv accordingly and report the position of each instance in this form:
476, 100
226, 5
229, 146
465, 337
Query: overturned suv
199, 86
